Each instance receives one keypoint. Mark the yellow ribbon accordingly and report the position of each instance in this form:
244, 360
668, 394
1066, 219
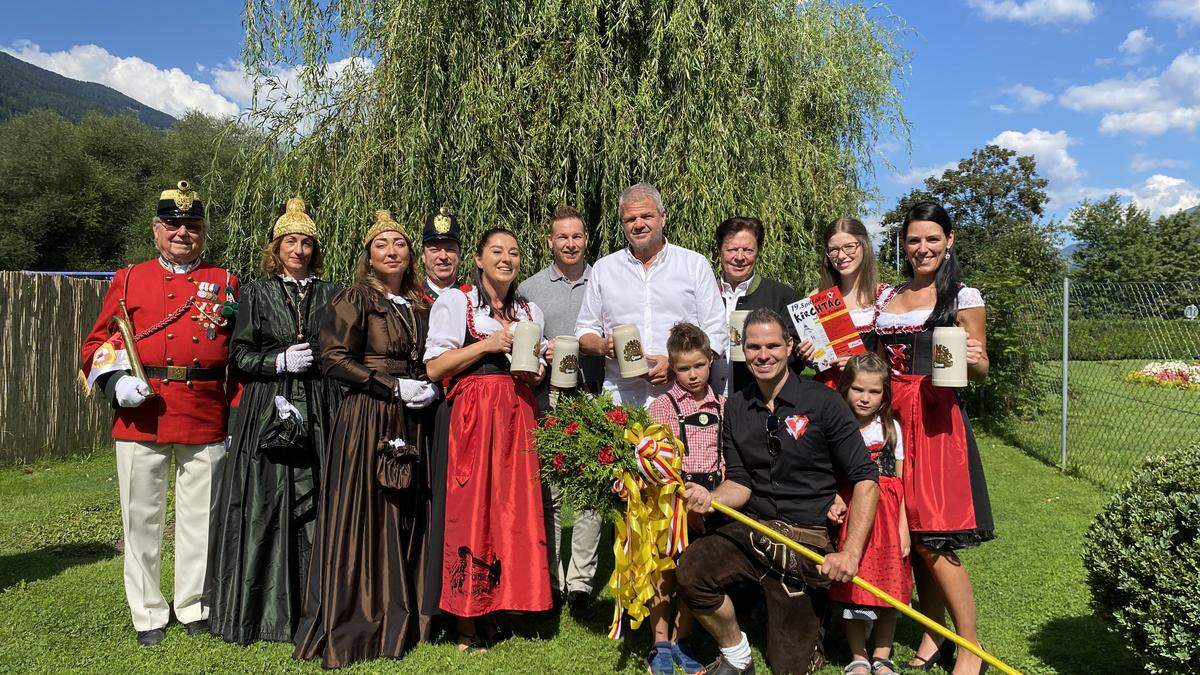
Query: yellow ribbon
654, 526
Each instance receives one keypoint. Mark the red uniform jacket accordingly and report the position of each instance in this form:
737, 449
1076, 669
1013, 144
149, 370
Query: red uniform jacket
183, 412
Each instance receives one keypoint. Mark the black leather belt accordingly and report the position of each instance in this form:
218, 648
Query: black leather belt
185, 374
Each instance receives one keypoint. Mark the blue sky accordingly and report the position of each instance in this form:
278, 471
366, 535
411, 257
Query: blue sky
1105, 94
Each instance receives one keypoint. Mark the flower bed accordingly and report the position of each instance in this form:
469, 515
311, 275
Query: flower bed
1172, 374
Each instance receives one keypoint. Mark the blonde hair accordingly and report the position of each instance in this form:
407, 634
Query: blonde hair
867, 283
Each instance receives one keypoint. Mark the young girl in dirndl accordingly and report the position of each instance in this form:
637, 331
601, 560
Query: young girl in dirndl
946, 497
866, 386
493, 546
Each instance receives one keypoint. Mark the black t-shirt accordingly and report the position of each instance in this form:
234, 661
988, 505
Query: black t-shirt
819, 445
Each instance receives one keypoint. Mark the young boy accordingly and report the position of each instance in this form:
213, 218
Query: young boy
692, 411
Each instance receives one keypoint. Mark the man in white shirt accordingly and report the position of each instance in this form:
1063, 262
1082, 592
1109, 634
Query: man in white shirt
654, 285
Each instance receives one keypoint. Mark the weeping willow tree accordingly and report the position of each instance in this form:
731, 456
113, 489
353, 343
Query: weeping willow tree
504, 109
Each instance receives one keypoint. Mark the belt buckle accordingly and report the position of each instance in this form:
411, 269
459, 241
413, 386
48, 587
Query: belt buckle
177, 373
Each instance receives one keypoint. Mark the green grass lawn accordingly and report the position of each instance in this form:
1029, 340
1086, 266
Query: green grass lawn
63, 606
1112, 425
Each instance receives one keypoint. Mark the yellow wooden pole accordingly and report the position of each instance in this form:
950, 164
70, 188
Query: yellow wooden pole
872, 589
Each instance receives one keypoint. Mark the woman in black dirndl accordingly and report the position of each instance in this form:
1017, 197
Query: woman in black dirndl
266, 504
946, 498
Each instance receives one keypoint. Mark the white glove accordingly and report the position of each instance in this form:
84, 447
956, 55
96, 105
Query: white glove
131, 391
296, 359
285, 409
415, 393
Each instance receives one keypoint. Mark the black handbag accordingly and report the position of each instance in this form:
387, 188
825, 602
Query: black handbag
285, 435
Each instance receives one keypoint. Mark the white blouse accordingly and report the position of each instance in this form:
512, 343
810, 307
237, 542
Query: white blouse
448, 321
874, 434
968, 298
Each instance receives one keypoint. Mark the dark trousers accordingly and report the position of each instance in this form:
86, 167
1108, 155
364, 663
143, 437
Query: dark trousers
795, 609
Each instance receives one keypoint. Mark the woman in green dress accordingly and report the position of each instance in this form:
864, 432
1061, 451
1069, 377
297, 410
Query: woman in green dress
265, 506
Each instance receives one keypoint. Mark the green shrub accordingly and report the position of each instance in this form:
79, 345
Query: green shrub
1110, 339
1143, 561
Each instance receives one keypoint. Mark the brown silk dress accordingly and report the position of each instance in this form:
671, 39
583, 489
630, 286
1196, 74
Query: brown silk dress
362, 594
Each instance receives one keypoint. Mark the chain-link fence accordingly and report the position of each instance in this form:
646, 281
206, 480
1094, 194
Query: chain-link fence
1130, 353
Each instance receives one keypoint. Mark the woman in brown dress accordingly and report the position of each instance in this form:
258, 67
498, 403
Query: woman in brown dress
361, 600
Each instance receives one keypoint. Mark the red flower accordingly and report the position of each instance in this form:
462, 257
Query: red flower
617, 417
559, 461
572, 428
606, 455
549, 422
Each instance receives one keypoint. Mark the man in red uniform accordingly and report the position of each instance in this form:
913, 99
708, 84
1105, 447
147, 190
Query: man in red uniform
180, 309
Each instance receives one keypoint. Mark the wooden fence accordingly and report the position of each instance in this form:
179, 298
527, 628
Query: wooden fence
43, 412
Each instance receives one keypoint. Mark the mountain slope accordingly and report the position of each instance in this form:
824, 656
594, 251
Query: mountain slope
25, 87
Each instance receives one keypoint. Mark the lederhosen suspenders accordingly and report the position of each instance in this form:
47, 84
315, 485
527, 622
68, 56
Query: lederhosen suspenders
700, 420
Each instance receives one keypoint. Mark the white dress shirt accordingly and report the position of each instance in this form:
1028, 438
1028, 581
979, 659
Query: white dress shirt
678, 286
721, 368
448, 321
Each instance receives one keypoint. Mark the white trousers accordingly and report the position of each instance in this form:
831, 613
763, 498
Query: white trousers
142, 471
585, 546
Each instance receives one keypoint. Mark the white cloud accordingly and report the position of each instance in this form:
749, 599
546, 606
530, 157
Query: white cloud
1024, 98
1048, 147
232, 80
1142, 163
1037, 11
918, 174
1136, 43
1149, 105
1123, 94
1178, 10
1164, 195
171, 90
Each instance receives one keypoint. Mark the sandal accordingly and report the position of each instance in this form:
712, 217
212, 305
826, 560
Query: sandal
942, 657
878, 664
472, 645
855, 665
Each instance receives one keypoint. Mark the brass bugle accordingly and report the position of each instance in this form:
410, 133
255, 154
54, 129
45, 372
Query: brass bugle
122, 325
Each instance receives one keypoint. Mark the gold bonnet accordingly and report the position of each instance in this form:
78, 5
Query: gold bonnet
383, 223
295, 220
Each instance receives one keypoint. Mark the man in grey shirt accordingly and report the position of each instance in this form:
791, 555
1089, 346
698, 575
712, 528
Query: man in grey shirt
558, 290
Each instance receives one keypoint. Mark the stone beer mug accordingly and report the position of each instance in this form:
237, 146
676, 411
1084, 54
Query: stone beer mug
564, 371
627, 347
949, 356
737, 333
526, 347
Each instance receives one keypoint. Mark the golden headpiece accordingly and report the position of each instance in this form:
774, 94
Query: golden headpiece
295, 220
383, 223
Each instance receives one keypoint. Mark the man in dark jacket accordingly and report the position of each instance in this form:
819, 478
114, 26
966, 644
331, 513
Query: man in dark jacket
739, 239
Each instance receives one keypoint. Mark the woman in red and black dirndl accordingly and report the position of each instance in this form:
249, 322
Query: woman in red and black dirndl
493, 538
946, 497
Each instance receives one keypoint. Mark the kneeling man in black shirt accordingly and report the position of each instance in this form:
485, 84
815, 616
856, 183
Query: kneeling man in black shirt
788, 441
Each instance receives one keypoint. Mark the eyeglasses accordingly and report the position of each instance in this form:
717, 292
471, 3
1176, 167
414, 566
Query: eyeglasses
192, 226
845, 249
772, 428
